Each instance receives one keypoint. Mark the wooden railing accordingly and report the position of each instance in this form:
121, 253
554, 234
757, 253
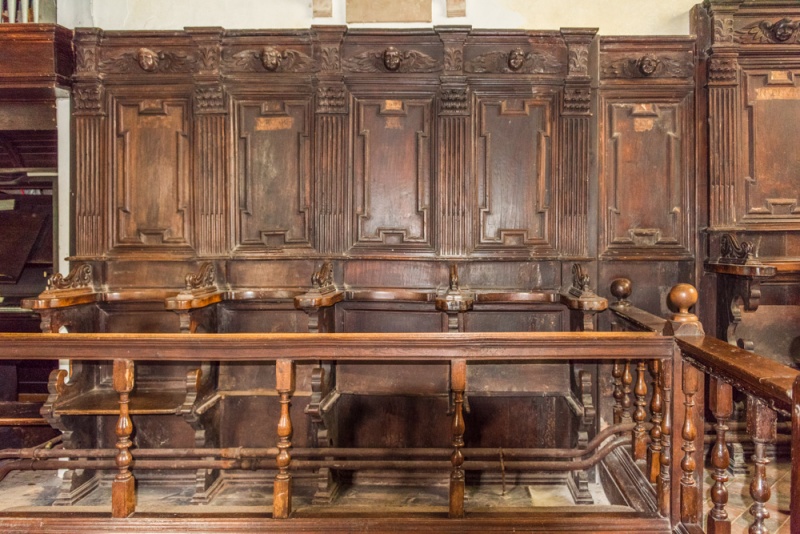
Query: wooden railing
771, 389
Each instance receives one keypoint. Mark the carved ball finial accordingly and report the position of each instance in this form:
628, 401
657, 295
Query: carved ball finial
682, 297
621, 288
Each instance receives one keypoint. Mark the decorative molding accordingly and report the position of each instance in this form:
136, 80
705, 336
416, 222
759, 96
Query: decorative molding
579, 60
331, 99
783, 31
204, 278
209, 58
723, 29
515, 61
269, 59
392, 60
79, 276
648, 66
149, 61
578, 100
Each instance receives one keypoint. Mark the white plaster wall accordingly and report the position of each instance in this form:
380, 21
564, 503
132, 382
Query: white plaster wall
612, 17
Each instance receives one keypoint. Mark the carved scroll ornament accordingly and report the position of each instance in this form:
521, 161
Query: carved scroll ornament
732, 251
202, 279
80, 276
392, 60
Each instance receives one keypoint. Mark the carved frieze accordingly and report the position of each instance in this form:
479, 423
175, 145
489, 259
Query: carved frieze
579, 61
392, 59
783, 31
208, 57
85, 60
513, 61
648, 66
149, 61
331, 99
269, 59
723, 29
453, 59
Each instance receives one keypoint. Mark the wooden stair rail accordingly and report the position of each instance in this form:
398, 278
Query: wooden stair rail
771, 388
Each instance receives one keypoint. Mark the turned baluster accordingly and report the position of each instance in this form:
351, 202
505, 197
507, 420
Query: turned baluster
616, 372
639, 415
458, 382
654, 453
627, 380
123, 488
664, 477
282, 489
762, 426
721, 404
690, 502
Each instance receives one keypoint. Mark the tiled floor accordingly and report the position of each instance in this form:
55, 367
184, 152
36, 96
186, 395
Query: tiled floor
739, 500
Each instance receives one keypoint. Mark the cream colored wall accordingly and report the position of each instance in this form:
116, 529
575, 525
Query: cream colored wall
612, 17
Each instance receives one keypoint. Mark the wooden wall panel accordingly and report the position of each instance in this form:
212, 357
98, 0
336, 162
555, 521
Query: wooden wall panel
770, 190
514, 154
273, 175
151, 174
392, 173
646, 169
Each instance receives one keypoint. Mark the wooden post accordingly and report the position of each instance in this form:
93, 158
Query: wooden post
762, 426
282, 490
627, 380
721, 405
656, 416
639, 414
665, 478
123, 488
690, 496
458, 383
616, 373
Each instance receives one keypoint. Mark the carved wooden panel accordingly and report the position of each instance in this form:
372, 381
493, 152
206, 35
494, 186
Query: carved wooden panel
513, 167
273, 172
392, 173
647, 172
770, 190
151, 174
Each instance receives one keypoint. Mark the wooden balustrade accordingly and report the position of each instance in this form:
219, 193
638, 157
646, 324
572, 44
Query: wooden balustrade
771, 389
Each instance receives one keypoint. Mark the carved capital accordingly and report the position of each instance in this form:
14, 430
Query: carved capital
331, 99
88, 98
454, 101
209, 98
723, 70
578, 100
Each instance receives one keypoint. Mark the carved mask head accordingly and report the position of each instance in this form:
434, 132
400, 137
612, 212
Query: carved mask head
783, 30
391, 58
148, 60
271, 58
516, 58
648, 64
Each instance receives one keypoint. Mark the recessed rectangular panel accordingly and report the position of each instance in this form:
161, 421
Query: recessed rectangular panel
513, 170
392, 170
274, 175
151, 174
